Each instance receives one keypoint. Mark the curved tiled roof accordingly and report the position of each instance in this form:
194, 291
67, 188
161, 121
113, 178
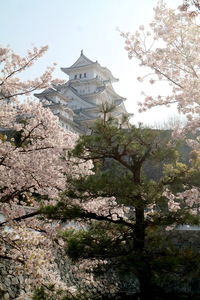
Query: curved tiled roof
83, 62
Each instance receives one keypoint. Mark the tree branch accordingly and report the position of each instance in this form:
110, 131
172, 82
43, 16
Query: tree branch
93, 216
18, 219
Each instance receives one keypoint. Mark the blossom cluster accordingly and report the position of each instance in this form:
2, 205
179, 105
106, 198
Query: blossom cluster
170, 48
34, 163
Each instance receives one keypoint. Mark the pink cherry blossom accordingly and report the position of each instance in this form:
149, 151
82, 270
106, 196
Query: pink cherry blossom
34, 160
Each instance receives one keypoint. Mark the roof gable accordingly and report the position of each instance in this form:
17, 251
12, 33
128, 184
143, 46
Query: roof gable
82, 61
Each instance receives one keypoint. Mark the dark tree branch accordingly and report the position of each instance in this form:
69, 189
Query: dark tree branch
18, 219
93, 216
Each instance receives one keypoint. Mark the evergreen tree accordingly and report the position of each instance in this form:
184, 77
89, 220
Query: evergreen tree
125, 212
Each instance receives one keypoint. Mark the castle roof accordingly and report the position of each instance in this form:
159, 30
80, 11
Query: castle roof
84, 62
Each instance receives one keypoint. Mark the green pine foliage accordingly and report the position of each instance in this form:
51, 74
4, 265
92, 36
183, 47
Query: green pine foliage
135, 243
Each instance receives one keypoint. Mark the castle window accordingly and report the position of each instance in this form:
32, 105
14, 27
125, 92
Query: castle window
80, 75
84, 75
75, 76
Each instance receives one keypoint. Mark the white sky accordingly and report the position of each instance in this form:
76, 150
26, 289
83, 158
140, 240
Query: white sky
68, 26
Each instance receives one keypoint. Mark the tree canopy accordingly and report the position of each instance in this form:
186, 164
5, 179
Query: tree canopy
120, 205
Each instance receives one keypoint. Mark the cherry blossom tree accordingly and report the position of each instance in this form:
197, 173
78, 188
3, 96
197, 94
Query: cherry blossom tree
12, 65
33, 163
169, 48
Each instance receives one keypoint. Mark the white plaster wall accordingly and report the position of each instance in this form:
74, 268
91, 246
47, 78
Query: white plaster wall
90, 73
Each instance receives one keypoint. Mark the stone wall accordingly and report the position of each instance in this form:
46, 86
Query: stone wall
10, 284
92, 285
79, 275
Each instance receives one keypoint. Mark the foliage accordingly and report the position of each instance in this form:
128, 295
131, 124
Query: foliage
190, 6
96, 240
42, 294
170, 50
33, 164
119, 206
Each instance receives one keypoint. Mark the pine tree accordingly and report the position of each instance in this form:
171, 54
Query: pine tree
125, 212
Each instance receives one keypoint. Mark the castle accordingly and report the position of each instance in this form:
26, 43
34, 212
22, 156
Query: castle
78, 102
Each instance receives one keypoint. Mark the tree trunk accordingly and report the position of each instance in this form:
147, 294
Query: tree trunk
139, 229
144, 270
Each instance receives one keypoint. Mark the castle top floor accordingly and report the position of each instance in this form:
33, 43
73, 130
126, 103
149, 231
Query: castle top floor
85, 69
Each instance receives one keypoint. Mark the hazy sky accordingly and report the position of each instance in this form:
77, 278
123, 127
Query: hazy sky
68, 26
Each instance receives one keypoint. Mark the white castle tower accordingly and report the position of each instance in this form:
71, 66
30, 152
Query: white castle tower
78, 102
